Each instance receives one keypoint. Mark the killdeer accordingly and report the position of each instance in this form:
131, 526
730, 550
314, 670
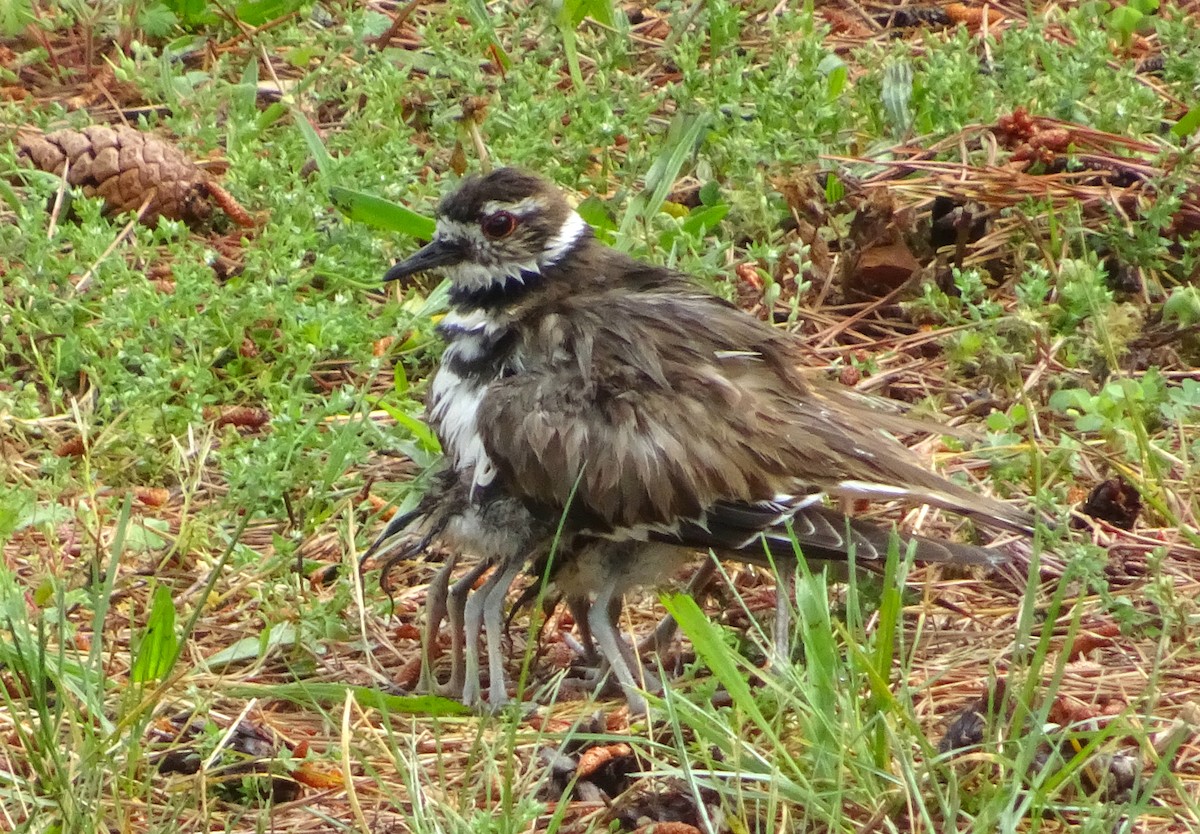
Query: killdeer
650, 417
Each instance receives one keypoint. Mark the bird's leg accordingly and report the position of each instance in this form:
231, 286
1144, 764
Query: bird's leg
602, 619
456, 609
580, 608
595, 677
435, 613
472, 625
785, 593
493, 628
660, 639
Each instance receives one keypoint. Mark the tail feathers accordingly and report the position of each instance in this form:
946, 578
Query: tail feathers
820, 530
986, 511
821, 534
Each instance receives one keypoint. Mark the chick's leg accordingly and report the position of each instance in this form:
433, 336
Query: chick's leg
580, 608
473, 624
659, 640
785, 593
603, 621
435, 614
456, 607
493, 626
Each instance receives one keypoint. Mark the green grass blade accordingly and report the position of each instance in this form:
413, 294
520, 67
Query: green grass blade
9, 196
706, 639
316, 147
565, 19
478, 14
1188, 123
423, 434
158, 648
316, 694
890, 606
897, 95
254, 647
685, 133
380, 213
822, 665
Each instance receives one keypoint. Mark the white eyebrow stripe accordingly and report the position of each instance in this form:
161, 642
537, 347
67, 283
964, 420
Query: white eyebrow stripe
521, 207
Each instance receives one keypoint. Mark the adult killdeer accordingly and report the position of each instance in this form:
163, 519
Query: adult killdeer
652, 418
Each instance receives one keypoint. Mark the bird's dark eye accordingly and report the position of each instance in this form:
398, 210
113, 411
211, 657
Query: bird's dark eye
498, 225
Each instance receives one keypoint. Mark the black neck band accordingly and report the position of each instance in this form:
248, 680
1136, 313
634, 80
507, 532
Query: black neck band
497, 295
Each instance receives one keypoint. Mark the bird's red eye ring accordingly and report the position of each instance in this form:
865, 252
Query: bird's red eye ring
499, 225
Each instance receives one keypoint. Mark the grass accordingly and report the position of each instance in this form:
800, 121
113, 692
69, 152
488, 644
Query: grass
165, 587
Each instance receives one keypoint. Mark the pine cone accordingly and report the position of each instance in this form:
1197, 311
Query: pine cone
126, 167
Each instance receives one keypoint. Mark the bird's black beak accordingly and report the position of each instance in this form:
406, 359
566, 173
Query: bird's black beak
431, 256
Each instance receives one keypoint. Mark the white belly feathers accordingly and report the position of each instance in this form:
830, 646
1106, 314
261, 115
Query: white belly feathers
454, 404
454, 399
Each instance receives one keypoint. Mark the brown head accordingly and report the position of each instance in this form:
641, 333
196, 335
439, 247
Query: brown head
498, 230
